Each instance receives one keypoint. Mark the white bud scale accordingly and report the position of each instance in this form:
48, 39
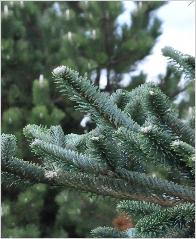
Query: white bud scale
41, 80
95, 138
50, 174
146, 129
59, 70
69, 36
176, 143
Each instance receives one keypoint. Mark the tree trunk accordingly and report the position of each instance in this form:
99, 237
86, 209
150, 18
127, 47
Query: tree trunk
97, 79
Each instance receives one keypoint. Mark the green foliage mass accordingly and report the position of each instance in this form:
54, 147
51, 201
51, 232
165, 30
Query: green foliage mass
72, 218
33, 42
116, 158
91, 40
43, 112
30, 33
25, 211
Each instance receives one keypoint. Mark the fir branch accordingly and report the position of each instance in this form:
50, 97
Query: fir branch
120, 98
181, 129
54, 135
182, 62
107, 148
83, 162
177, 232
32, 131
142, 151
137, 208
158, 104
108, 232
183, 192
8, 145
136, 106
108, 160
155, 143
131, 144
23, 169
14, 166
155, 224
57, 136
110, 186
10, 180
186, 153
90, 99
80, 142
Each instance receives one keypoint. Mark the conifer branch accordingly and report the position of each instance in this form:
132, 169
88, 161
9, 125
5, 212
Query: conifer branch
90, 99
68, 156
108, 232
160, 185
158, 104
181, 61
156, 224
9, 180
34, 131
186, 153
137, 208
135, 131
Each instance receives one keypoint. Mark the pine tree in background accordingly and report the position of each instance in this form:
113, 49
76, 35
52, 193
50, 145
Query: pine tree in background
105, 45
72, 218
144, 125
20, 218
35, 32
43, 112
22, 48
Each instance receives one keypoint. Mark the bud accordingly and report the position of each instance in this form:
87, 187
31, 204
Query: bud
95, 138
21, 3
176, 143
69, 36
67, 14
59, 70
35, 142
50, 174
10, 120
146, 129
6, 10
94, 34
41, 79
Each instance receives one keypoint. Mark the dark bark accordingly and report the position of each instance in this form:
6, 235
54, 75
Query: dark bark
97, 79
108, 85
48, 213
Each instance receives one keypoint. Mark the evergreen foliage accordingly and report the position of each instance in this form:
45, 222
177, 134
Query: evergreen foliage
14, 216
174, 84
42, 112
32, 31
69, 210
90, 41
116, 158
183, 62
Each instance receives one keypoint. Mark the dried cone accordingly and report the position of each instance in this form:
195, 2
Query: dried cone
122, 222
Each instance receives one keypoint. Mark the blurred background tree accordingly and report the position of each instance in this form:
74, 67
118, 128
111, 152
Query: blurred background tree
38, 36
43, 111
